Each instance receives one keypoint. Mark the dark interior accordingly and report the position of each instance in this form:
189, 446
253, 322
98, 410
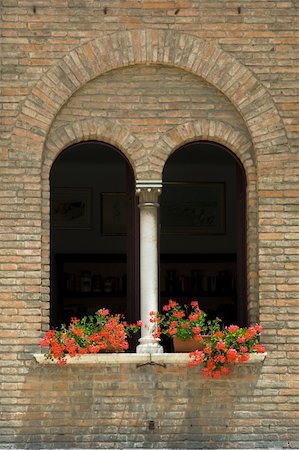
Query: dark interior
95, 241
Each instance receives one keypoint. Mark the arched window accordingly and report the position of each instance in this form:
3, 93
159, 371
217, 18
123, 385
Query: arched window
93, 233
203, 238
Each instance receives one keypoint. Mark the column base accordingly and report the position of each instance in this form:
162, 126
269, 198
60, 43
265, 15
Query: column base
149, 345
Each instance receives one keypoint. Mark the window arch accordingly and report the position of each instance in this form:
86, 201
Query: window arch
174, 139
203, 230
92, 233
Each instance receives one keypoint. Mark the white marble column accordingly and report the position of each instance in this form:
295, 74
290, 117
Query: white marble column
148, 192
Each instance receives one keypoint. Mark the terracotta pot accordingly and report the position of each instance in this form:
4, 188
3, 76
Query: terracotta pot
187, 346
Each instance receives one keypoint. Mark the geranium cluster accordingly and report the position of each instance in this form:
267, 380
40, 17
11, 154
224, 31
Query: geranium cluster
185, 322
224, 348
102, 332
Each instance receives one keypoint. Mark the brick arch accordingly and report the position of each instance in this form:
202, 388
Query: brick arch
127, 48
240, 144
211, 130
105, 130
167, 47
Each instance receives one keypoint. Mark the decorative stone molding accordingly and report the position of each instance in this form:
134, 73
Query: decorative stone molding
148, 192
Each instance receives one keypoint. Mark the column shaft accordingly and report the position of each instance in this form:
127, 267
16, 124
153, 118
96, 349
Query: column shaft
149, 294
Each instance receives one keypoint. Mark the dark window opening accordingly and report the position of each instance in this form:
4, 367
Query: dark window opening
202, 240
93, 234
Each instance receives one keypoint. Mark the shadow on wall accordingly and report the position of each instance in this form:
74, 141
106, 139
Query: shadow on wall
102, 406
190, 412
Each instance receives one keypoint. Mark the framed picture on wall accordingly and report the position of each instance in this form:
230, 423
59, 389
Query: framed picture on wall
71, 208
193, 208
114, 213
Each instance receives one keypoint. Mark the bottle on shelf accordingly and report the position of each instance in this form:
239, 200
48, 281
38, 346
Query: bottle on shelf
110, 286
97, 283
85, 281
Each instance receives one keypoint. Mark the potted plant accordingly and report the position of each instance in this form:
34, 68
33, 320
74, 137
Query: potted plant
187, 325
102, 332
208, 342
225, 348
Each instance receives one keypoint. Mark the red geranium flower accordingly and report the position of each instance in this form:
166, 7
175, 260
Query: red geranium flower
259, 348
92, 334
226, 347
181, 320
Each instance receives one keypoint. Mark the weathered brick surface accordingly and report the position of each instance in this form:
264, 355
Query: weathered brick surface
147, 77
84, 407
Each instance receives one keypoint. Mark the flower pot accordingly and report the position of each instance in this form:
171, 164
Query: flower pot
187, 346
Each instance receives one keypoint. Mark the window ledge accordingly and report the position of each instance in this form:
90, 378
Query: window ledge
135, 358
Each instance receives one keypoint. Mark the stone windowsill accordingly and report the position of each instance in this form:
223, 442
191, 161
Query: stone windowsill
135, 358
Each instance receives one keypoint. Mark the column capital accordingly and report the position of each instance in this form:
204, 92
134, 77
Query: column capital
148, 191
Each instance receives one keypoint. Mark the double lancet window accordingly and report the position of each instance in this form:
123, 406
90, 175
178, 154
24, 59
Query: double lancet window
129, 245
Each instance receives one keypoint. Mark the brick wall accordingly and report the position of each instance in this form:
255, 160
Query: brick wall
148, 101
84, 407
239, 61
